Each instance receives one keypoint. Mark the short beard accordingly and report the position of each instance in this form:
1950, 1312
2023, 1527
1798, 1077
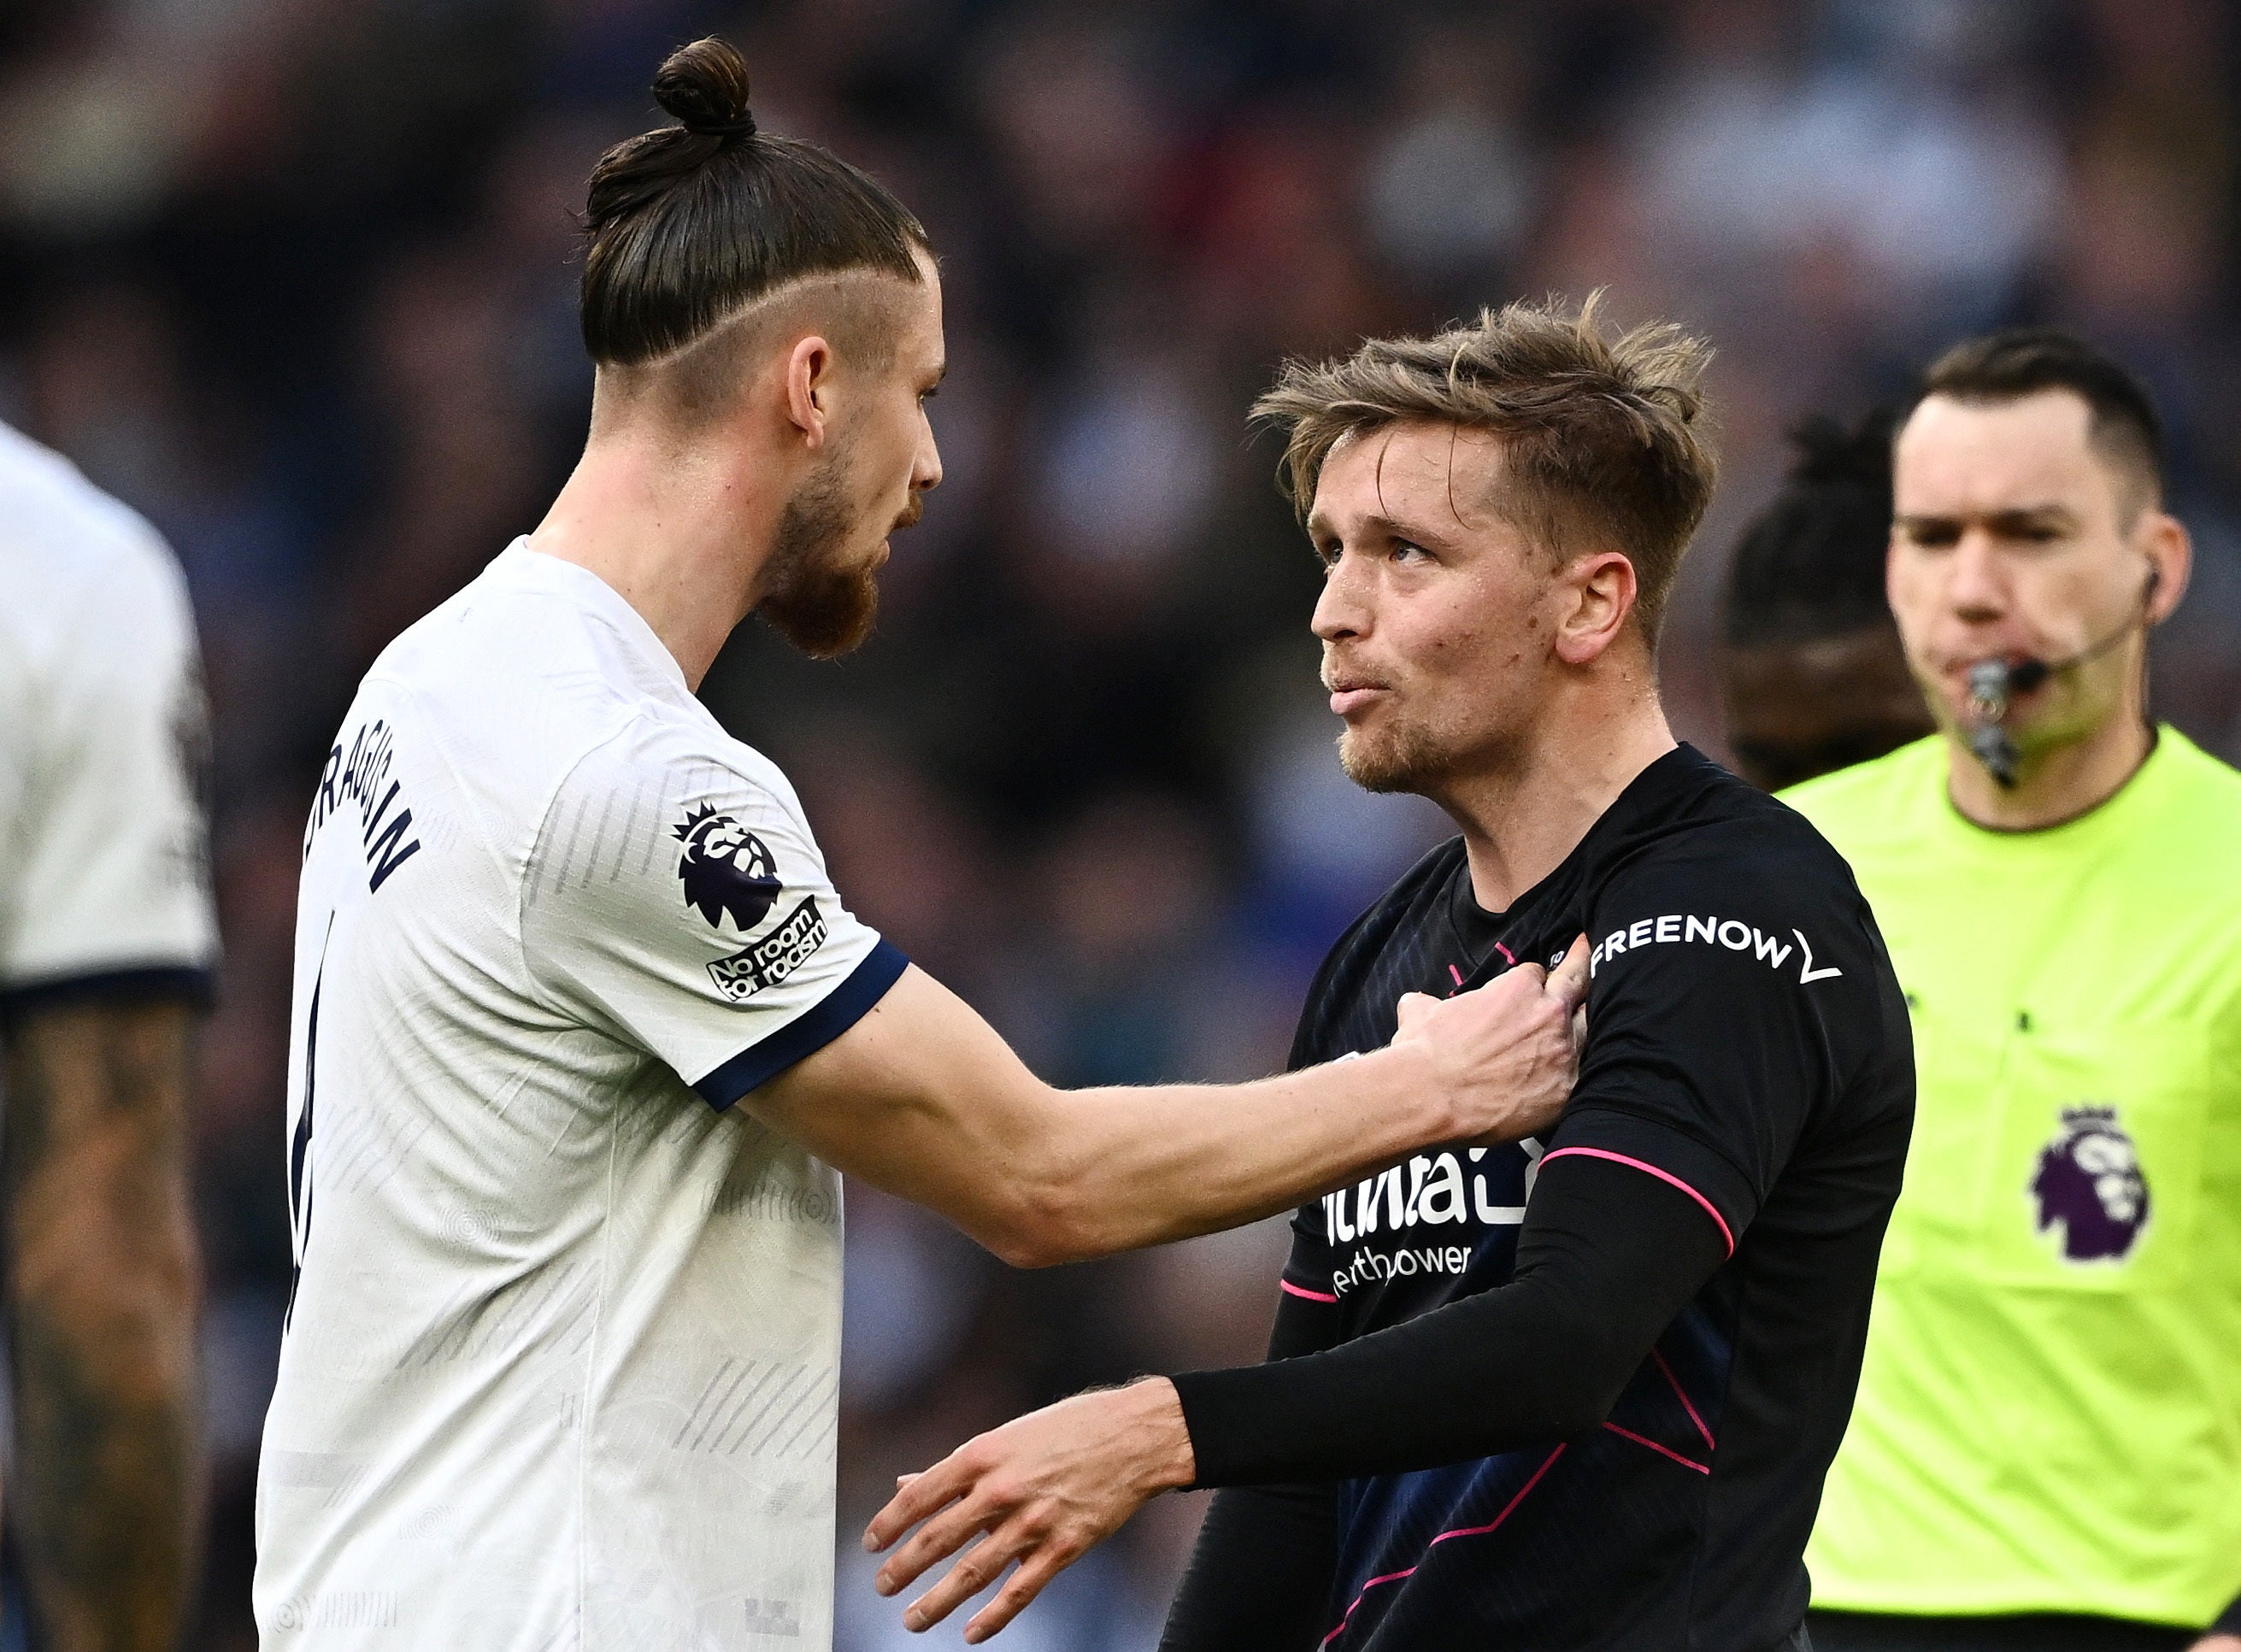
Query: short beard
1406, 759
822, 607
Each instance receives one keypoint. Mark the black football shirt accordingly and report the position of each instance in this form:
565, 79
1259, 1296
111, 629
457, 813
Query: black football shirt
1747, 1048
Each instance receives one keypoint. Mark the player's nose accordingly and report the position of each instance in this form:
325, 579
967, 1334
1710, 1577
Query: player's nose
926, 466
1341, 611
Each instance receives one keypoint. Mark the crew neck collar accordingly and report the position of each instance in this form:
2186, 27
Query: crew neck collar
587, 588
2142, 775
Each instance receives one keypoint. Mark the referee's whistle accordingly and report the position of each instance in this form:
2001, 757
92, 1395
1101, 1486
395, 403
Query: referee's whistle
1992, 685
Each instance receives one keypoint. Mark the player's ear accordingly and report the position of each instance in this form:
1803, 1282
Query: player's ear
1599, 589
809, 387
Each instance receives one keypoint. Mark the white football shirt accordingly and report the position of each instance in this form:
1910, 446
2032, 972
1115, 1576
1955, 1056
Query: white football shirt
104, 880
561, 1364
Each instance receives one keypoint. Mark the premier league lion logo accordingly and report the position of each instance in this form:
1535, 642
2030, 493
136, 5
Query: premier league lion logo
2089, 1181
725, 869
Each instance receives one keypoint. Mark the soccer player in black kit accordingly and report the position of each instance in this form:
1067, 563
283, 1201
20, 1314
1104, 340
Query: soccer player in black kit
1580, 1391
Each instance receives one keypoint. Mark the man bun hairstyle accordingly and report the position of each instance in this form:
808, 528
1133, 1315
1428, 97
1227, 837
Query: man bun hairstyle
2008, 365
1811, 564
1604, 437
687, 223
706, 86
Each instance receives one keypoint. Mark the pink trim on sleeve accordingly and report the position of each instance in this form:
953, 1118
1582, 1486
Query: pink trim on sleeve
1665, 1176
1301, 1290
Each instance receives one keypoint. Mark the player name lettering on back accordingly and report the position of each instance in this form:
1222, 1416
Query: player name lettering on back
1685, 929
362, 779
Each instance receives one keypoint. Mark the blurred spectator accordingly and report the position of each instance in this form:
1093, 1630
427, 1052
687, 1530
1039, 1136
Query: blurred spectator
1810, 666
295, 278
1452, 187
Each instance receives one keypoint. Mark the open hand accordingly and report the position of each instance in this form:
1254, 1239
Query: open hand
1510, 1049
1045, 1489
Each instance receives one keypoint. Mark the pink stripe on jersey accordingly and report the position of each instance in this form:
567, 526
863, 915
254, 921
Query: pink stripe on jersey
1686, 1462
1710, 1444
1665, 1176
1509, 1509
1301, 1290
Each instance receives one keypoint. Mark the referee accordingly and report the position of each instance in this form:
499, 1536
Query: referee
2046, 1452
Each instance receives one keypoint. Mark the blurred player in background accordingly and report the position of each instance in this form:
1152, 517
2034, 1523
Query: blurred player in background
2047, 1449
1812, 676
107, 940
583, 1034
1578, 1392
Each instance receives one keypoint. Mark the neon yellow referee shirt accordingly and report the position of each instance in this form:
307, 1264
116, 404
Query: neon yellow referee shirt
2050, 1414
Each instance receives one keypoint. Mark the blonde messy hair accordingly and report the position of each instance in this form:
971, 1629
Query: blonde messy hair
1604, 438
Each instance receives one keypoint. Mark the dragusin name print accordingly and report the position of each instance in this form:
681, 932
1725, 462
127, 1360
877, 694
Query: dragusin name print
362, 779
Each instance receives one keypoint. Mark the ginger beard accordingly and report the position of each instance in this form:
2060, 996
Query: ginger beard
1403, 756
816, 596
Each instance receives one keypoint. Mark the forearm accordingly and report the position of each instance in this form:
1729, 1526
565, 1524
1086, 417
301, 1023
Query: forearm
920, 1097
105, 1283
1122, 1168
1489, 1065
1491, 1374
1610, 1257
923, 1098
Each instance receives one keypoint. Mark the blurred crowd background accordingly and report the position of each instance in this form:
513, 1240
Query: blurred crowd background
296, 277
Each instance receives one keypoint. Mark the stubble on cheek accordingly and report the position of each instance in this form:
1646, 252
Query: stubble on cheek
1453, 719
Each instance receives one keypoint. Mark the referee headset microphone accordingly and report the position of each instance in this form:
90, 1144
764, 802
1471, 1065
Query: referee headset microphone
1994, 684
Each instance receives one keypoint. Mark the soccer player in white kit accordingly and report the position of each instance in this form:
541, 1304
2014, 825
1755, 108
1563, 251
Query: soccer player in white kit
583, 1036
107, 939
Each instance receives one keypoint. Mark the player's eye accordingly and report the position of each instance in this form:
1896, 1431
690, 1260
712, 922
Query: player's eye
1406, 550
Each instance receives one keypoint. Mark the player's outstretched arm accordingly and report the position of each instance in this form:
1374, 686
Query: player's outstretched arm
1607, 1257
922, 1098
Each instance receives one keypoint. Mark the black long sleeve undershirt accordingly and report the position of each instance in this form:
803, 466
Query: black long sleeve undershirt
1606, 1259
1261, 1572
